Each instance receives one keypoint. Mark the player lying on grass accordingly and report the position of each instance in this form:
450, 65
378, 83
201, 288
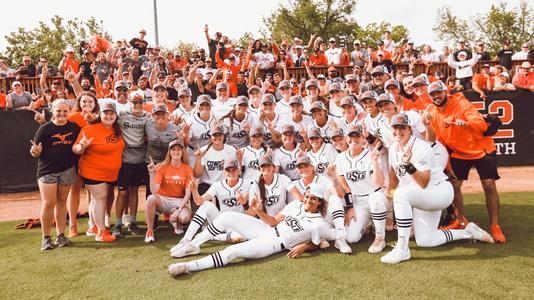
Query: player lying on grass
298, 223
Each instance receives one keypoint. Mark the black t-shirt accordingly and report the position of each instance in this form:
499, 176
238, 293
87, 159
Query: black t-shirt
172, 93
212, 47
28, 70
195, 91
242, 89
505, 58
140, 45
483, 55
87, 72
57, 141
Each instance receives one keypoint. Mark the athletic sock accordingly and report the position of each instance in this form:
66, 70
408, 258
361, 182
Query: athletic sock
194, 225
379, 221
214, 260
208, 234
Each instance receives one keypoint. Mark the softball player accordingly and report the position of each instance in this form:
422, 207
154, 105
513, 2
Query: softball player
270, 121
296, 224
321, 119
350, 113
285, 157
321, 154
283, 106
201, 122
252, 153
297, 118
421, 192
238, 122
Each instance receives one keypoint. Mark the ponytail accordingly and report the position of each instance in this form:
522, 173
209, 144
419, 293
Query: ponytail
263, 196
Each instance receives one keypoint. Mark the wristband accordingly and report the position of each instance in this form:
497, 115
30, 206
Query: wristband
348, 200
410, 169
370, 138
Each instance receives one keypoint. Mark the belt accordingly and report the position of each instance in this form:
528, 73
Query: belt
378, 189
278, 235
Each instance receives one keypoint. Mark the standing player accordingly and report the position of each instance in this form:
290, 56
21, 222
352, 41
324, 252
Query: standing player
321, 154
321, 119
270, 120
201, 122
285, 157
252, 153
297, 118
421, 192
238, 122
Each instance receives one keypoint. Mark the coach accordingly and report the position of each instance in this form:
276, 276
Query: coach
459, 125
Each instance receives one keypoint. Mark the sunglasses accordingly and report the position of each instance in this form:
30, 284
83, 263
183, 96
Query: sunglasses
377, 75
122, 89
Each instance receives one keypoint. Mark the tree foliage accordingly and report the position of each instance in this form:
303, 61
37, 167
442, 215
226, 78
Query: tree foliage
52, 39
497, 25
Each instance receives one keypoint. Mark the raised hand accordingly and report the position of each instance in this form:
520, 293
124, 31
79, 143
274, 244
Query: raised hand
85, 142
36, 149
407, 155
193, 184
151, 166
256, 206
89, 116
331, 170
240, 198
39, 117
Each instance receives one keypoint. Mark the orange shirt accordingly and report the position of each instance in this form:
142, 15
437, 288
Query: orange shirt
318, 60
423, 101
409, 104
71, 63
148, 107
77, 118
387, 55
465, 142
482, 82
524, 82
102, 160
345, 59
173, 180
2, 100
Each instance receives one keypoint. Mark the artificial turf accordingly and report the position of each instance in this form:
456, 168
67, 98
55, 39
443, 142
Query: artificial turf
130, 269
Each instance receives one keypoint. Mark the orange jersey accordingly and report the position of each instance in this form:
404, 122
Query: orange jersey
424, 100
482, 82
345, 59
2, 100
408, 104
77, 118
71, 63
102, 160
465, 142
318, 60
148, 107
173, 180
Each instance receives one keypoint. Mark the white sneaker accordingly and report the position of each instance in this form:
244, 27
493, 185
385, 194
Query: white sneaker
149, 237
342, 246
177, 269
126, 220
378, 245
177, 246
396, 255
478, 233
177, 229
186, 250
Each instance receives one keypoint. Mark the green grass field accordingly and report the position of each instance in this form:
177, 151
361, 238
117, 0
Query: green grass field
129, 269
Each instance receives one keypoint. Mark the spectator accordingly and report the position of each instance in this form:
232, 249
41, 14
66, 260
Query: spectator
505, 56
318, 58
482, 53
359, 56
502, 83
5, 70
139, 43
103, 67
26, 69
212, 42
428, 55
298, 57
389, 43
381, 49
523, 54
18, 98
445, 52
464, 68
86, 66
333, 54
381, 60
2, 101
461, 47
483, 81
524, 77
265, 59
51, 69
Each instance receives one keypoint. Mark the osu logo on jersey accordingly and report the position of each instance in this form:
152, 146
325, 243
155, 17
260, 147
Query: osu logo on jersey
230, 202
292, 165
239, 134
268, 136
321, 167
253, 164
326, 139
272, 200
293, 223
400, 170
205, 136
355, 175
214, 165
112, 139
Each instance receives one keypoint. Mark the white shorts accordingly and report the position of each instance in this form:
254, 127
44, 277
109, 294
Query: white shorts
170, 203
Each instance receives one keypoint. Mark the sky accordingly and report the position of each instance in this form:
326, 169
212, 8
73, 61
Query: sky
184, 20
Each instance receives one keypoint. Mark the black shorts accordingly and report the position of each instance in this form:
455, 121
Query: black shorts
486, 167
131, 175
88, 181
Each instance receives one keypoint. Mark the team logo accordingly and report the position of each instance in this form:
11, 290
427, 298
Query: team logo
378, 133
321, 167
112, 139
127, 125
239, 135
205, 136
326, 139
215, 165
268, 136
254, 164
272, 200
355, 175
293, 223
292, 165
230, 202
62, 139
400, 170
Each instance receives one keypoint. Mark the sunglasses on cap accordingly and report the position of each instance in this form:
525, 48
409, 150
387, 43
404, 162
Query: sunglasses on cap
121, 89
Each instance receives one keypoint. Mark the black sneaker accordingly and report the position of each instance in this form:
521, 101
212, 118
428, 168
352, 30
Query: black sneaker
62, 241
46, 243
133, 228
117, 231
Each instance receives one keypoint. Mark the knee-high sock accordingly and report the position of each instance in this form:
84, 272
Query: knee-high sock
404, 219
206, 212
336, 212
378, 208
214, 260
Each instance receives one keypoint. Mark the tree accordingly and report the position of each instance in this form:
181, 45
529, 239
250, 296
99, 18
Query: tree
373, 32
51, 40
494, 27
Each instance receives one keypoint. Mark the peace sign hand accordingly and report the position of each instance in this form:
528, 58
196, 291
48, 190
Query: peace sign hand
36, 149
39, 117
240, 198
151, 166
407, 155
256, 206
85, 142
193, 184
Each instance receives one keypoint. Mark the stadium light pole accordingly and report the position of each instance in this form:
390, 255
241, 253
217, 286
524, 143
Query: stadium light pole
156, 22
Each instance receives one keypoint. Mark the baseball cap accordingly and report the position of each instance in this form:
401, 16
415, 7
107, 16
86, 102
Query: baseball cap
137, 96
356, 42
317, 105
215, 129
321, 76
419, 80
315, 190
334, 87
347, 100
240, 100
391, 82
354, 129
505, 74
222, 85
267, 98
231, 163
399, 120
203, 99
255, 131
15, 83
436, 86
313, 132
303, 160
369, 95
295, 100
178, 142
288, 128
142, 31
335, 132
158, 85
485, 66
109, 106
160, 107
462, 53
121, 83
231, 56
69, 49
410, 41
525, 65
254, 88
385, 97
185, 91
332, 39
379, 70
208, 59
311, 82
265, 160
380, 53
351, 77
462, 40
284, 84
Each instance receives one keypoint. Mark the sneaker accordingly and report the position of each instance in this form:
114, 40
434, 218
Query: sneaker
117, 231
378, 245
107, 222
73, 231
179, 245
149, 237
126, 219
92, 231
456, 224
478, 233
104, 236
396, 255
133, 228
62, 241
342, 246
324, 245
177, 269
497, 234
186, 250
46, 243
177, 229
